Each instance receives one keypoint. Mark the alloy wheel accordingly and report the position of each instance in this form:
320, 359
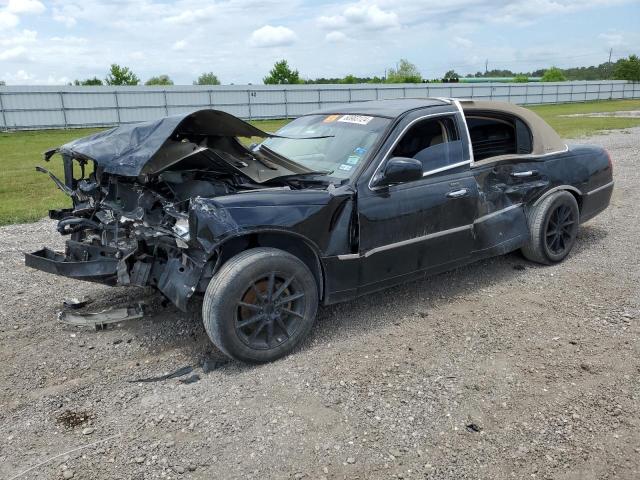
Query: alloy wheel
269, 311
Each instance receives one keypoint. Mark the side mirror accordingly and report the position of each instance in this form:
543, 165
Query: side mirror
399, 170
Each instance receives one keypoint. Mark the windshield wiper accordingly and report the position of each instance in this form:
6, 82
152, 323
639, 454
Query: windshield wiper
293, 176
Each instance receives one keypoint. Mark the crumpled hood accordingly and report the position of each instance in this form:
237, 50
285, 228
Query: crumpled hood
126, 149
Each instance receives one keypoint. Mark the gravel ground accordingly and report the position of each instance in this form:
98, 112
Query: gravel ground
502, 369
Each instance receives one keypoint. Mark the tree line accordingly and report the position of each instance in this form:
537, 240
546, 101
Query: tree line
120, 75
403, 72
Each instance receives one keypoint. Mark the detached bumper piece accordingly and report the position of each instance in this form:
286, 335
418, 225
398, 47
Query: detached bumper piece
80, 261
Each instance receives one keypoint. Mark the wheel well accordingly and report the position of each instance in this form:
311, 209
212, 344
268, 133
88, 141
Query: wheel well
578, 198
572, 190
292, 244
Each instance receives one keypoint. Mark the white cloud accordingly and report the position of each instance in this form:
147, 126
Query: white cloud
371, 16
333, 21
8, 19
269, 36
179, 45
335, 37
67, 20
20, 77
12, 53
25, 6
189, 16
462, 42
613, 39
184, 38
19, 38
367, 16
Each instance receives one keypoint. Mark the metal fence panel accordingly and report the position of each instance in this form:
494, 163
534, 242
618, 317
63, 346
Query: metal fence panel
32, 107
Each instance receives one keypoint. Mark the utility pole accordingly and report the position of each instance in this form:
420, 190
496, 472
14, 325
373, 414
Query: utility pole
486, 66
609, 64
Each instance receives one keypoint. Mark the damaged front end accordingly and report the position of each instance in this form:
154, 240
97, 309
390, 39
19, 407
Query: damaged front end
126, 232
129, 220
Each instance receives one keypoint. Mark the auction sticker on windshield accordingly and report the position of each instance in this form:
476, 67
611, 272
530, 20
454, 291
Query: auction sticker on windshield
359, 119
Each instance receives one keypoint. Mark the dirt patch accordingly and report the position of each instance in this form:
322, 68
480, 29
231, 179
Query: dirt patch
74, 418
491, 371
617, 114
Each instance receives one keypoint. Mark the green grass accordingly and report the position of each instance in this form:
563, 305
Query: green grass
26, 195
572, 127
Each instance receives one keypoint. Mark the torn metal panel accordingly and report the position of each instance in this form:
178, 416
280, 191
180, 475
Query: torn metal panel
126, 149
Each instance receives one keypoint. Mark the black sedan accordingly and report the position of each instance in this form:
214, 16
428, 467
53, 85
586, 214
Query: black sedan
336, 204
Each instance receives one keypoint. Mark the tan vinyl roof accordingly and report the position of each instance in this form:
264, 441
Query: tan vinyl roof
545, 138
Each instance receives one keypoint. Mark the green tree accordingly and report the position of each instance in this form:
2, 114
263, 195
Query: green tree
87, 82
553, 74
521, 78
627, 69
451, 75
281, 73
121, 76
350, 79
2, 83
159, 80
207, 78
405, 72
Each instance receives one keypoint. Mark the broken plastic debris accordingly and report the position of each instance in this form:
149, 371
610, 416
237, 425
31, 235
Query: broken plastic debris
178, 373
191, 379
74, 302
473, 427
102, 318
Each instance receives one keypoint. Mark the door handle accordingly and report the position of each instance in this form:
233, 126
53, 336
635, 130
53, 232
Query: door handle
457, 193
528, 173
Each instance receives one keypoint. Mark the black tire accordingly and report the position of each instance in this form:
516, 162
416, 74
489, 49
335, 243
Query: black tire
260, 305
553, 226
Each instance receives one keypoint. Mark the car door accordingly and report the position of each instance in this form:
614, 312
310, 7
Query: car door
425, 225
507, 176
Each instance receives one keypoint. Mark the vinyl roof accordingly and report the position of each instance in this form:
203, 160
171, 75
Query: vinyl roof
545, 139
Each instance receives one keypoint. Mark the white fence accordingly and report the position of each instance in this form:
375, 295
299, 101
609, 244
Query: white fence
36, 107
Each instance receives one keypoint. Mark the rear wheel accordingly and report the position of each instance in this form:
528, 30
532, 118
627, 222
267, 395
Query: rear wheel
553, 225
260, 305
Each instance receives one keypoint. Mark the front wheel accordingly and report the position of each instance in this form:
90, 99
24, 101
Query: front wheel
260, 305
553, 225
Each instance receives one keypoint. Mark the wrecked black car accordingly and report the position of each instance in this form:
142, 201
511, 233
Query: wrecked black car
336, 204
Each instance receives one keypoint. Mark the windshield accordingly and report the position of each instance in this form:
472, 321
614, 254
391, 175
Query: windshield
348, 140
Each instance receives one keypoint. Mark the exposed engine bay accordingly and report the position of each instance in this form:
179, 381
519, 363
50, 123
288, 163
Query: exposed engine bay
129, 224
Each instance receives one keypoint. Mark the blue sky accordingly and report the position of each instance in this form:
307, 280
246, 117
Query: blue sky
54, 42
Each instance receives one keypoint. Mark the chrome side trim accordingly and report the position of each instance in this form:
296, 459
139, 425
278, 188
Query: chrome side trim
390, 246
513, 156
596, 190
399, 137
373, 251
456, 102
497, 212
556, 189
349, 256
446, 167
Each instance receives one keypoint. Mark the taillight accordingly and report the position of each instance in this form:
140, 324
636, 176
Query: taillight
610, 162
